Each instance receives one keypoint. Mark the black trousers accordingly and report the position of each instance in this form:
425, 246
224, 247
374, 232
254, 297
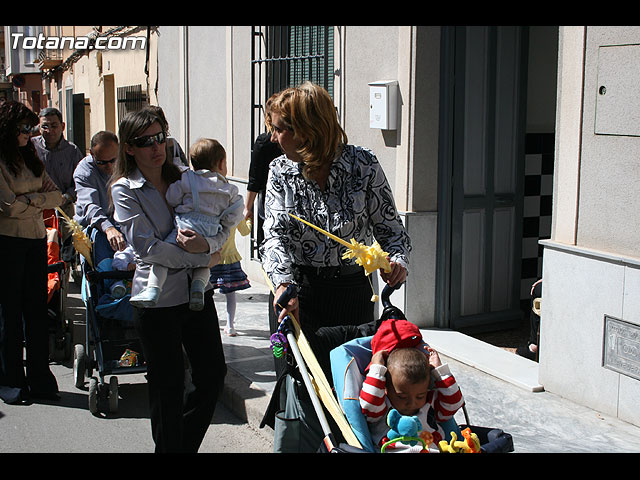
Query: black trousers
24, 320
178, 426
534, 320
332, 312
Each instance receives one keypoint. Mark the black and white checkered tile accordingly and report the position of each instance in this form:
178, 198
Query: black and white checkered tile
536, 221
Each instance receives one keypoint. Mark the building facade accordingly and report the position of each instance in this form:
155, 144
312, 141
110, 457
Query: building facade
503, 152
511, 152
93, 75
214, 82
590, 347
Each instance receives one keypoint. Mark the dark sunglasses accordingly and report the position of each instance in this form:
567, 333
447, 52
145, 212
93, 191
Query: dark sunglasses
148, 140
25, 129
104, 162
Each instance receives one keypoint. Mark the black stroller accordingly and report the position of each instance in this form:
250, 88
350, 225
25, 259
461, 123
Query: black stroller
112, 346
348, 362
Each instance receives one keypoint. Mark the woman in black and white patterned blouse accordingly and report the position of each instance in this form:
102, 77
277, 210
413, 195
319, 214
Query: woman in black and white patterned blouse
338, 187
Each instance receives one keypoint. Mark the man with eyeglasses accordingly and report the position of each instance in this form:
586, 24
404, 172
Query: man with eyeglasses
60, 158
91, 178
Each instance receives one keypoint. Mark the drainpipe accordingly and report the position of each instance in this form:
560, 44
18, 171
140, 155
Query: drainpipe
184, 88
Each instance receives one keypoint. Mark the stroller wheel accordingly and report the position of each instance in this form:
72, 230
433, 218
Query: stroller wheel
79, 365
113, 394
93, 395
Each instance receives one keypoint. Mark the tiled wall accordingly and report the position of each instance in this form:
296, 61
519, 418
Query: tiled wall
536, 221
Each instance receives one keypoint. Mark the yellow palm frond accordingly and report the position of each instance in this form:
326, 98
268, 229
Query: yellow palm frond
81, 242
370, 258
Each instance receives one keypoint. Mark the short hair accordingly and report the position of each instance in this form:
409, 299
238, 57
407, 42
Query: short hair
103, 137
409, 363
48, 111
206, 153
308, 111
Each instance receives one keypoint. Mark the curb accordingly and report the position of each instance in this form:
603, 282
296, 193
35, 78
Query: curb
246, 402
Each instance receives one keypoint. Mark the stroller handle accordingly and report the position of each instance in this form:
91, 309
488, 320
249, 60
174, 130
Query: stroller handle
386, 293
290, 292
95, 276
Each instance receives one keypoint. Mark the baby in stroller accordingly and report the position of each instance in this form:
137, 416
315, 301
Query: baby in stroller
407, 378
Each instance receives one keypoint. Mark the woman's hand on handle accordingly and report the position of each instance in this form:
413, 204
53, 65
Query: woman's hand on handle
290, 308
396, 276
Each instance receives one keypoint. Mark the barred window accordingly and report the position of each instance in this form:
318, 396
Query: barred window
130, 99
284, 56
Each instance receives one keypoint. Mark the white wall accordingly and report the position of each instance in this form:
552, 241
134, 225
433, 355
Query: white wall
218, 63
592, 262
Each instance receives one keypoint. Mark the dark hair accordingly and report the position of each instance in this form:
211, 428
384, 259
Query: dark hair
131, 126
409, 363
48, 111
103, 137
12, 114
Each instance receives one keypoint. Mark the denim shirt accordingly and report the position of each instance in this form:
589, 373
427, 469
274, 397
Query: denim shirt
356, 203
92, 203
145, 220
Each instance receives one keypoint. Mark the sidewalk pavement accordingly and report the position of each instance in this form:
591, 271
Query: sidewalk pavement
500, 388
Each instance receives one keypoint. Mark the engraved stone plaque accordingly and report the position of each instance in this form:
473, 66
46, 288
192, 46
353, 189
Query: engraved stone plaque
621, 351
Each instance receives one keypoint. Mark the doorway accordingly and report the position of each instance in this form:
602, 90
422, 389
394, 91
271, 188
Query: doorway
486, 247
482, 182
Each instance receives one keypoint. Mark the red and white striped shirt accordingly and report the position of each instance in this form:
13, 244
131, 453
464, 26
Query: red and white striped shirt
441, 404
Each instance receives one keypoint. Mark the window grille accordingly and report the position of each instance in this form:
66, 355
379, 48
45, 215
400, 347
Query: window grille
130, 99
284, 56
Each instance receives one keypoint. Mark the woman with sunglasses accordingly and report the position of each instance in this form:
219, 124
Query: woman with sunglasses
25, 190
143, 173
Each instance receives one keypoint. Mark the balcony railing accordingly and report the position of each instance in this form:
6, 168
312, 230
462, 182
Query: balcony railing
48, 59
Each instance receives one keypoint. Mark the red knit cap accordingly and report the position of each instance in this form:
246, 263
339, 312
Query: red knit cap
395, 333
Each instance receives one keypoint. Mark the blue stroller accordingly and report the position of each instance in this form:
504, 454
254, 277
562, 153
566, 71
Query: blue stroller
112, 346
348, 364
